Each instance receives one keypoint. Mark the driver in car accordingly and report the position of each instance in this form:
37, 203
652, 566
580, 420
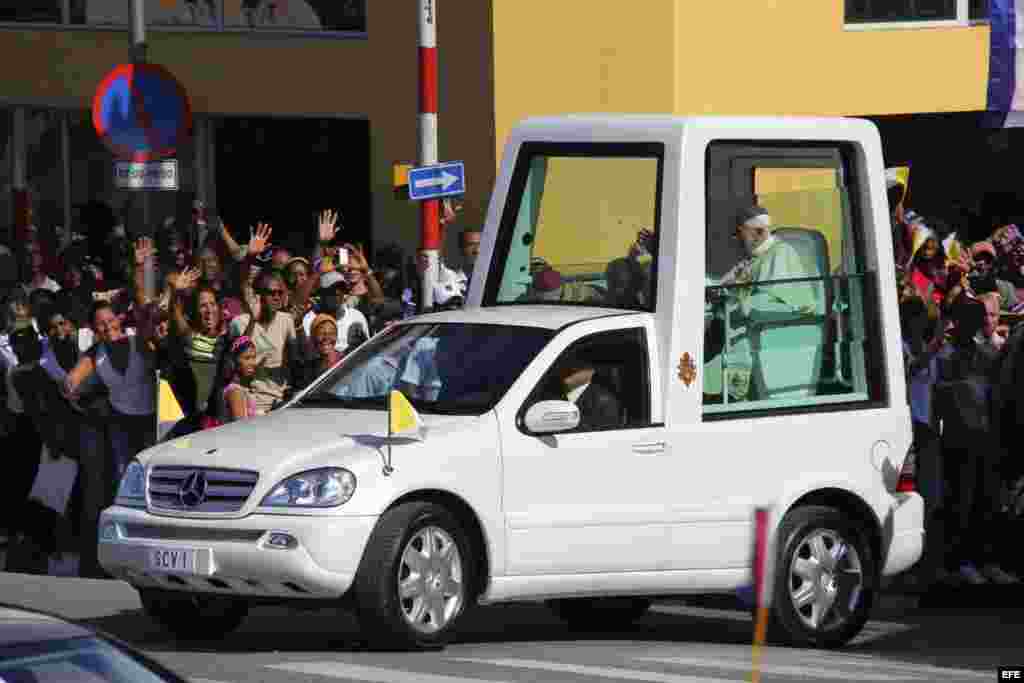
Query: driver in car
599, 408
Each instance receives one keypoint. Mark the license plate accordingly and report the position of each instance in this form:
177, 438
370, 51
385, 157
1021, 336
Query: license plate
177, 560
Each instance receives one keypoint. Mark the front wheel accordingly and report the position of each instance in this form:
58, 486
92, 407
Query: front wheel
193, 617
824, 579
415, 580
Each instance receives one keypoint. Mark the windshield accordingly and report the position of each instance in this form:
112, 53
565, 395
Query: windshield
446, 368
83, 660
580, 227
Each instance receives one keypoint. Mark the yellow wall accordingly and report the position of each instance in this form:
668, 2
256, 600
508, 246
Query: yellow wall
786, 57
753, 57
558, 56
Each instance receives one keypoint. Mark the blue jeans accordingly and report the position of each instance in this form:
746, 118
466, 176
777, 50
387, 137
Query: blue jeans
98, 489
129, 435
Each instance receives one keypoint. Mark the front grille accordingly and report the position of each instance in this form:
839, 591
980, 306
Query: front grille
153, 532
227, 490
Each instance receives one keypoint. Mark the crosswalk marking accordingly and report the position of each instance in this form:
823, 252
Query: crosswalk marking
596, 671
373, 674
843, 661
800, 670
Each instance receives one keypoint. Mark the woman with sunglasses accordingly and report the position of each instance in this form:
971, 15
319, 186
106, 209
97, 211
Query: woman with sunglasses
273, 335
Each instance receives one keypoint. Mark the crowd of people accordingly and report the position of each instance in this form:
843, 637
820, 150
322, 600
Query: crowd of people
234, 327
959, 305
237, 327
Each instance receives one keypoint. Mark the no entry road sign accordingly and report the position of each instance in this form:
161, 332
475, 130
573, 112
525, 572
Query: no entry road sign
141, 112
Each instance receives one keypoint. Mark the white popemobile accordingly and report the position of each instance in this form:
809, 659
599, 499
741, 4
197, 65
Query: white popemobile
599, 422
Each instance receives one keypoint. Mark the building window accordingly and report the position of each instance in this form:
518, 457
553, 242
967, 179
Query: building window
791, 315
287, 16
914, 11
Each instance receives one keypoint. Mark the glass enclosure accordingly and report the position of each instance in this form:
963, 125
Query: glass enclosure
789, 296
579, 227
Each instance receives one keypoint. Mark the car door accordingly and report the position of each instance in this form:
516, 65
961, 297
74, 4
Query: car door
592, 500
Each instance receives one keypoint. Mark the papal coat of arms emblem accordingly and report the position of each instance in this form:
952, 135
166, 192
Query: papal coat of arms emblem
687, 369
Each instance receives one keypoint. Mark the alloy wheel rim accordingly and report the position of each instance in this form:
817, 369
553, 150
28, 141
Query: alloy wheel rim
825, 580
430, 580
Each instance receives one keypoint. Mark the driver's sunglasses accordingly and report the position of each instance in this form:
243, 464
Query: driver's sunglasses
274, 292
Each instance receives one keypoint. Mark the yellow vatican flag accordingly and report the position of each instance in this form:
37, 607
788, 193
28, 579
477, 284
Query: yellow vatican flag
168, 409
900, 174
403, 420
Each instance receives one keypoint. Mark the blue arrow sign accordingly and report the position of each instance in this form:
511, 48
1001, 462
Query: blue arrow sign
443, 180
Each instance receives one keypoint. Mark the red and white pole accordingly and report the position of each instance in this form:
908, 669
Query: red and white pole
430, 209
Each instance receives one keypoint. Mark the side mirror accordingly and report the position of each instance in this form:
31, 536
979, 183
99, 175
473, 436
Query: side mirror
551, 417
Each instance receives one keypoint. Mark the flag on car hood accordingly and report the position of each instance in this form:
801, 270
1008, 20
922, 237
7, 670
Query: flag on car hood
403, 420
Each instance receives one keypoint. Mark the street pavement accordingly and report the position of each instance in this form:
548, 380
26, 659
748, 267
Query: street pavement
675, 643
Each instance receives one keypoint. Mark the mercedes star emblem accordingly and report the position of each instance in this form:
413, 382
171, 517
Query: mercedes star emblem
193, 490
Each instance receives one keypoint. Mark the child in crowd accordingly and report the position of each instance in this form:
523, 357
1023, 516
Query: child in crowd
237, 395
927, 272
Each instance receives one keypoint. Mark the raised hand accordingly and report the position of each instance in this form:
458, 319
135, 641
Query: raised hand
186, 279
449, 210
144, 250
356, 258
259, 239
328, 226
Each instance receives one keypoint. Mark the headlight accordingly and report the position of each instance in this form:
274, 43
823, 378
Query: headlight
328, 487
131, 492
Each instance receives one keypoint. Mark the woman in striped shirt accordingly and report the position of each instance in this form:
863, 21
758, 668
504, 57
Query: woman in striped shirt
202, 334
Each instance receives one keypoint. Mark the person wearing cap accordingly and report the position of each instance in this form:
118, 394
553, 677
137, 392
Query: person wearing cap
323, 338
548, 286
776, 361
982, 277
351, 324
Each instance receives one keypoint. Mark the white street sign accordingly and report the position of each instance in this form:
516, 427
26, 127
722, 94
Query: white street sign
148, 175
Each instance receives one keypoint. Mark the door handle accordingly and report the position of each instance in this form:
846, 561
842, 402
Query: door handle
652, 448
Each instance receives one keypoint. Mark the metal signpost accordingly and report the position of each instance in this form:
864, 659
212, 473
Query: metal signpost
430, 209
142, 114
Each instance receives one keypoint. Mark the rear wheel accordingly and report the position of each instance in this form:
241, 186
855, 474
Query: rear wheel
194, 616
415, 580
825, 578
599, 613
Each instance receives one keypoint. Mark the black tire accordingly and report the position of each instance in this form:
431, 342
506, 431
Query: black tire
194, 616
381, 611
851, 608
595, 614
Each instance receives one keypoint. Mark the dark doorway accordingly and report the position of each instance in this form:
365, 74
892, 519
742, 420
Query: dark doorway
962, 171
285, 171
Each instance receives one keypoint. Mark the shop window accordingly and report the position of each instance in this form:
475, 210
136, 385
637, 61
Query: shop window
31, 11
791, 309
910, 11
571, 230
302, 16
978, 10
292, 15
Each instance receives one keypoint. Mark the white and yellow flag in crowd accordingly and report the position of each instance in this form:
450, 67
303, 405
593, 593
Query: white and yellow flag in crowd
403, 420
168, 409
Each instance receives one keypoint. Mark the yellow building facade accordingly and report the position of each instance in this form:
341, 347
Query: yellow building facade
504, 60
755, 57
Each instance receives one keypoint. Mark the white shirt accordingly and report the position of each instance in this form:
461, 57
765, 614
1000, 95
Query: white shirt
351, 317
575, 394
